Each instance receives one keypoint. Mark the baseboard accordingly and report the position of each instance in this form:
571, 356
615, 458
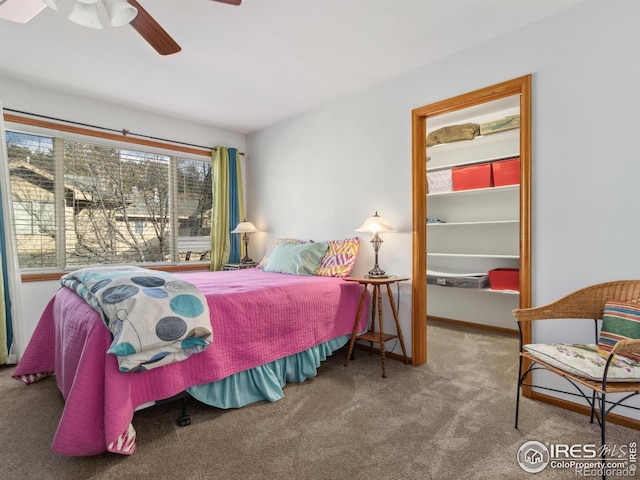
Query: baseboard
479, 326
585, 410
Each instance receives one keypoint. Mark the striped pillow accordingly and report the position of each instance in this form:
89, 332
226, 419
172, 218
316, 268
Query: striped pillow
620, 321
340, 258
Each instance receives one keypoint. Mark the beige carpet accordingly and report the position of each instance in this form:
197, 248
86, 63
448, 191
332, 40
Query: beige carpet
451, 418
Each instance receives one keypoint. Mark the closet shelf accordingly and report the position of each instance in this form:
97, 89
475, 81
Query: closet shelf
482, 228
472, 162
472, 255
476, 191
484, 222
478, 290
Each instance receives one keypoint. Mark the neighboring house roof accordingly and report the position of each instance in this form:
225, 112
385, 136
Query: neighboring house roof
74, 196
82, 192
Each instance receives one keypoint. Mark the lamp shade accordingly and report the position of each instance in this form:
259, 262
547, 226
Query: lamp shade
375, 224
120, 12
245, 227
53, 4
85, 14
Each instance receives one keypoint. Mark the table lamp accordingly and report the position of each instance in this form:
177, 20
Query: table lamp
244, 228
376, 225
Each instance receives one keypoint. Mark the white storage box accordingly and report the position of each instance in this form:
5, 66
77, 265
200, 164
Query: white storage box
440, 181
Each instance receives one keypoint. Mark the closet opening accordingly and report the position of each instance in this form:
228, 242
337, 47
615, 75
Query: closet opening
473, 219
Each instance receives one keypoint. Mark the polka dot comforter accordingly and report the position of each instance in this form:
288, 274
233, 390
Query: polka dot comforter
155, 318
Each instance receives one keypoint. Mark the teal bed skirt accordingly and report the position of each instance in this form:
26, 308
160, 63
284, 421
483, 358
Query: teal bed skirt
266, 381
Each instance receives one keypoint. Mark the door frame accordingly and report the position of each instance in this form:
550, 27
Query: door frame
517, 86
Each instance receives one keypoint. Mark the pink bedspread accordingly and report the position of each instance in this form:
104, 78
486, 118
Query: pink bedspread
256, 316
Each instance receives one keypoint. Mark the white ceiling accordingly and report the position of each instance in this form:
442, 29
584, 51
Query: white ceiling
246, 67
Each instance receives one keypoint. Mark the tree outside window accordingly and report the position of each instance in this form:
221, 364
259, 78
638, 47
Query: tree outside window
107, 206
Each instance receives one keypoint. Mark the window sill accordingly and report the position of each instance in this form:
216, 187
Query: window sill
182, 267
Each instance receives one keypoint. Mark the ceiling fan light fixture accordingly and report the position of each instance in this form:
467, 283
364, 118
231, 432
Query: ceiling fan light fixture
120, 12
85, 14
52, 4
88, 2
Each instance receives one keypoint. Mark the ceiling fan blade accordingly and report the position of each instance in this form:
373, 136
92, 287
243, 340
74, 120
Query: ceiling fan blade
152, 32
230, 2
20, 12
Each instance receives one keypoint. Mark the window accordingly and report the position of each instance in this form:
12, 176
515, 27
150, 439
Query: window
78, 203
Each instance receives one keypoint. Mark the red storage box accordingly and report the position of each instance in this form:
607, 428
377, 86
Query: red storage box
506, 172
472, 176
504, 279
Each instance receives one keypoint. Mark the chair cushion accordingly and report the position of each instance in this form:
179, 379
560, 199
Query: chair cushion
586, 361
620, 321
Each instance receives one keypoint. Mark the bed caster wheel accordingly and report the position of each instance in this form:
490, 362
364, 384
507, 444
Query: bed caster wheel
184, 420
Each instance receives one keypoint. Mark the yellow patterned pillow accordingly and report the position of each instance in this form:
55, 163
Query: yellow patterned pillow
340, 258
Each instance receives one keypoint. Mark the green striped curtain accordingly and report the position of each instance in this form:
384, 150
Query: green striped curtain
6, 321
228, 206
5, 310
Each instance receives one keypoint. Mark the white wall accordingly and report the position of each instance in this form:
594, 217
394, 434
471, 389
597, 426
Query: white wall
18, 95
24, 96
320, 174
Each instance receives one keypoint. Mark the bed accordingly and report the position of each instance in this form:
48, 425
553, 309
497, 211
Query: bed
268, 328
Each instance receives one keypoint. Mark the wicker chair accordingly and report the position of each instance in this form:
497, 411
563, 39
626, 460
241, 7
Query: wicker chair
587, 303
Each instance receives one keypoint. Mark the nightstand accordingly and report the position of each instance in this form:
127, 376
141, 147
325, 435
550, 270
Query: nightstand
238, 266
372, 336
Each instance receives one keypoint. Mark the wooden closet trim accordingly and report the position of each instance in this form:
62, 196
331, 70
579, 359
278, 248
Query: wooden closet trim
518, 86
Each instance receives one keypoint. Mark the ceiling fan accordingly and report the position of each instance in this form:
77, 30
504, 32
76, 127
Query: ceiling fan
153, 33
22, 11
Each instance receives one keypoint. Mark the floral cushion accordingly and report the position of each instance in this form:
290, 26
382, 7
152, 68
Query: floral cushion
620, 321
586, 361
340, 258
